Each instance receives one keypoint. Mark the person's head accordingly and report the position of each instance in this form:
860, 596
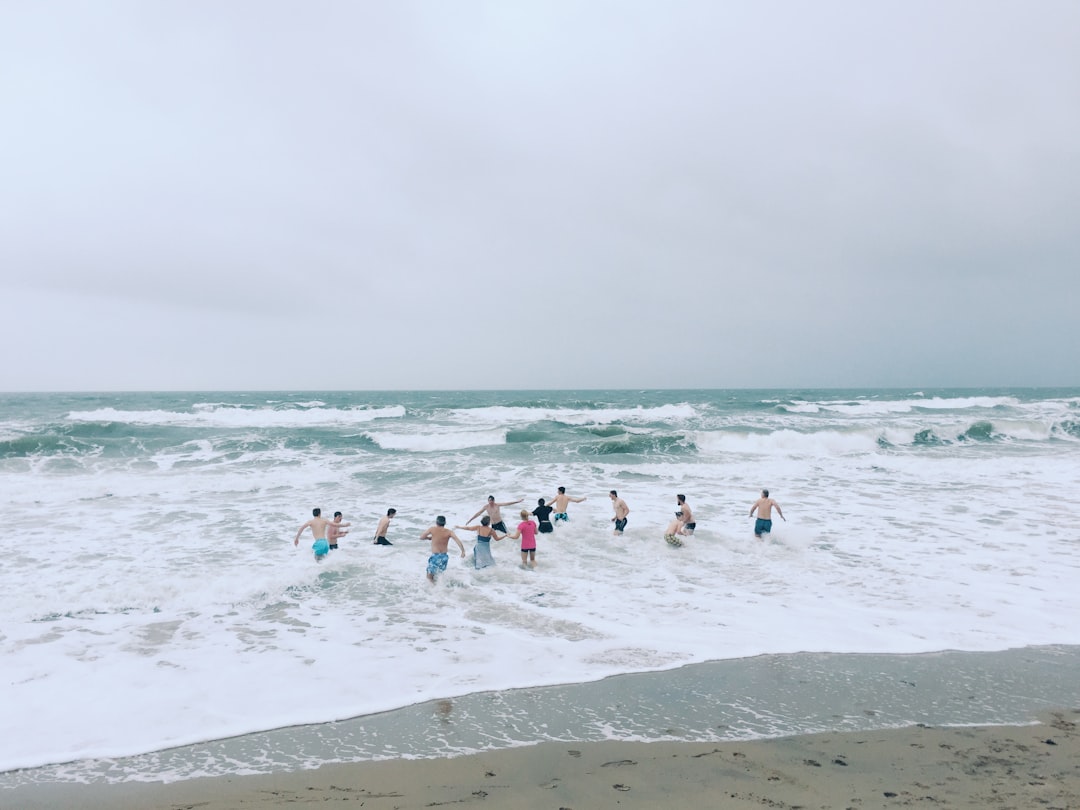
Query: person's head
485, 521
764, 493
391, 512
614, 494
539, 501
524, 514
491, 499
440, 520
681, 498
337, 515
562, 490
316, 511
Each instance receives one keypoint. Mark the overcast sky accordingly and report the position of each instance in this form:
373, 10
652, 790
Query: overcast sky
460, 194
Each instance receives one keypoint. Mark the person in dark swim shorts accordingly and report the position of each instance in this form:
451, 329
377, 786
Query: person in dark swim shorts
621, 511
383, 528
542, 512
764, 506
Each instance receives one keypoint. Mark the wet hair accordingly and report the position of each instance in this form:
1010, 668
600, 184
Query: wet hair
524, 514
485, 520
316, 511
391, 511
616, 494
540, 501
337, 514
562, 490
681, 498
765, 493
491, 497
440, 520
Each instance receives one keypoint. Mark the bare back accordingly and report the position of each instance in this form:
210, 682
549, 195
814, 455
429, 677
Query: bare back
764, 507
440, 538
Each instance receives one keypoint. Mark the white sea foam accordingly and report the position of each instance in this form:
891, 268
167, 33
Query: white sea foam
157, 599
573, 416
436, 439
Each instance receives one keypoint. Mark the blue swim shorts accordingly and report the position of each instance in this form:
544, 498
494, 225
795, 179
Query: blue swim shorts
561, 516
436, 563
321, 548
762, 526
620, 524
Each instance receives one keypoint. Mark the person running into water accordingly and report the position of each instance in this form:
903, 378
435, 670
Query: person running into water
621, 511
484, 534
334, 531
526, 530
764, 506
559, 503
318, 525
494, 512
384, 527
543, 514
440, 537
685, 517
683, 524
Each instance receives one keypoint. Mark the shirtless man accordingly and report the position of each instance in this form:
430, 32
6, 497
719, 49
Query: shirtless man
684, 519
621, 511
334, 530
559, 502
318, 525
440, 536
383, 528
764, 506
494, 513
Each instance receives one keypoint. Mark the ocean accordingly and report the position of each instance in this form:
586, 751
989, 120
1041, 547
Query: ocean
157, 622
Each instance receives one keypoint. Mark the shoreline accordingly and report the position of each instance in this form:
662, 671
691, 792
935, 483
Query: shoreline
761, 698
948, 767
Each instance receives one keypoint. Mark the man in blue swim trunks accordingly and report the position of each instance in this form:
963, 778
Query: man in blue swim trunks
764, 506
318, 525
440, 537
559, 503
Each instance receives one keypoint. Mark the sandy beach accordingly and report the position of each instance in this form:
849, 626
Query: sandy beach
960, 767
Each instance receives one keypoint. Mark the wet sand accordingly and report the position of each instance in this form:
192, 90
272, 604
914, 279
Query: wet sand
1033, 766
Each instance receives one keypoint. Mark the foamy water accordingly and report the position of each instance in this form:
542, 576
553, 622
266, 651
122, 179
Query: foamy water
151, 596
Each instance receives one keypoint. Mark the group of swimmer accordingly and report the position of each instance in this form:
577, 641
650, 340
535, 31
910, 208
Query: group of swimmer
547, 512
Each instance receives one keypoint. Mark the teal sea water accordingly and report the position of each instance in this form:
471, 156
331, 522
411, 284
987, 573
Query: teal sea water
152, 596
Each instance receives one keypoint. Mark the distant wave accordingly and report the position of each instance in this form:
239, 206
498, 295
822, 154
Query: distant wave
434, 442
870, 407
572, 416
242, 417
